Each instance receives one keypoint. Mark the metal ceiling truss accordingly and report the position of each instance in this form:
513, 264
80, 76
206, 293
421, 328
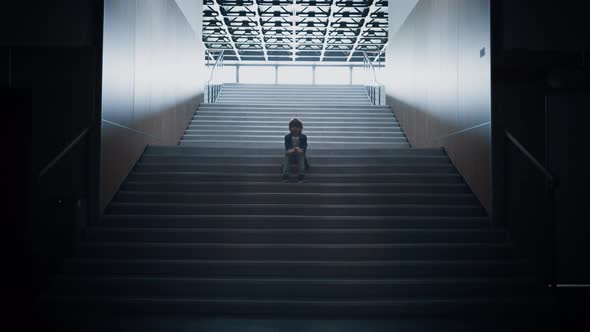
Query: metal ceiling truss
295, 30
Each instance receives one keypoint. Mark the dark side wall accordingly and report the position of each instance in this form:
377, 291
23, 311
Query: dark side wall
51, 57
540, 93
152, 81
438, 84
536, 57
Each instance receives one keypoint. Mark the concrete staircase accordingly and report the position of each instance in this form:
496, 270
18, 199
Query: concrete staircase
294, 95
380, 229
335, 117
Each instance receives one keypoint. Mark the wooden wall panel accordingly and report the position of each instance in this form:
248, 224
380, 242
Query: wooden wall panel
152, 84
439, 86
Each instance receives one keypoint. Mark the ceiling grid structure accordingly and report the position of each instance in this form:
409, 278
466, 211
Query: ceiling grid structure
335, 31
216, 32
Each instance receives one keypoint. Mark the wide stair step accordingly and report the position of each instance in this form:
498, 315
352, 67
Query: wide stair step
287, 197
221, 221
274, 187
368, 153
297, 251
388, 178
367, 269
272, 167
292, 289
512, 306
318, 236
300, 209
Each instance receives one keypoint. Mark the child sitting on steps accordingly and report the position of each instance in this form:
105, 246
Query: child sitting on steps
295, 146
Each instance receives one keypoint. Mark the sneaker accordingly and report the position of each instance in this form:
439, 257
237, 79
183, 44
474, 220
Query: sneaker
285, 178
300, 179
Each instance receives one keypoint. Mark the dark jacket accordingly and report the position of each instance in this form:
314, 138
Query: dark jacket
302, 142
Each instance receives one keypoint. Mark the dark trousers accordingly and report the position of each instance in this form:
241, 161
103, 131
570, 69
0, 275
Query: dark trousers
299, 158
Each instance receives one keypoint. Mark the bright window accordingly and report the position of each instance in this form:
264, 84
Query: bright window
295, 75
359, 75
257, 74
332, 75
225, 74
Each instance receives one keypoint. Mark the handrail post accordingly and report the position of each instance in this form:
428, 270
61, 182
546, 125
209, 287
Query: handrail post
551, 184
551, 236
372, 83
213, 91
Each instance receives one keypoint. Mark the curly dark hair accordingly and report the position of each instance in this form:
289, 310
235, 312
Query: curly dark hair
295, 123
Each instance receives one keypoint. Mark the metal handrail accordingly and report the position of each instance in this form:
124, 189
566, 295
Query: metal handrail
214, 89
209, 57
370, 65
373, 89
378, 57
551, 179
216, 65
64, 152
552, 183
